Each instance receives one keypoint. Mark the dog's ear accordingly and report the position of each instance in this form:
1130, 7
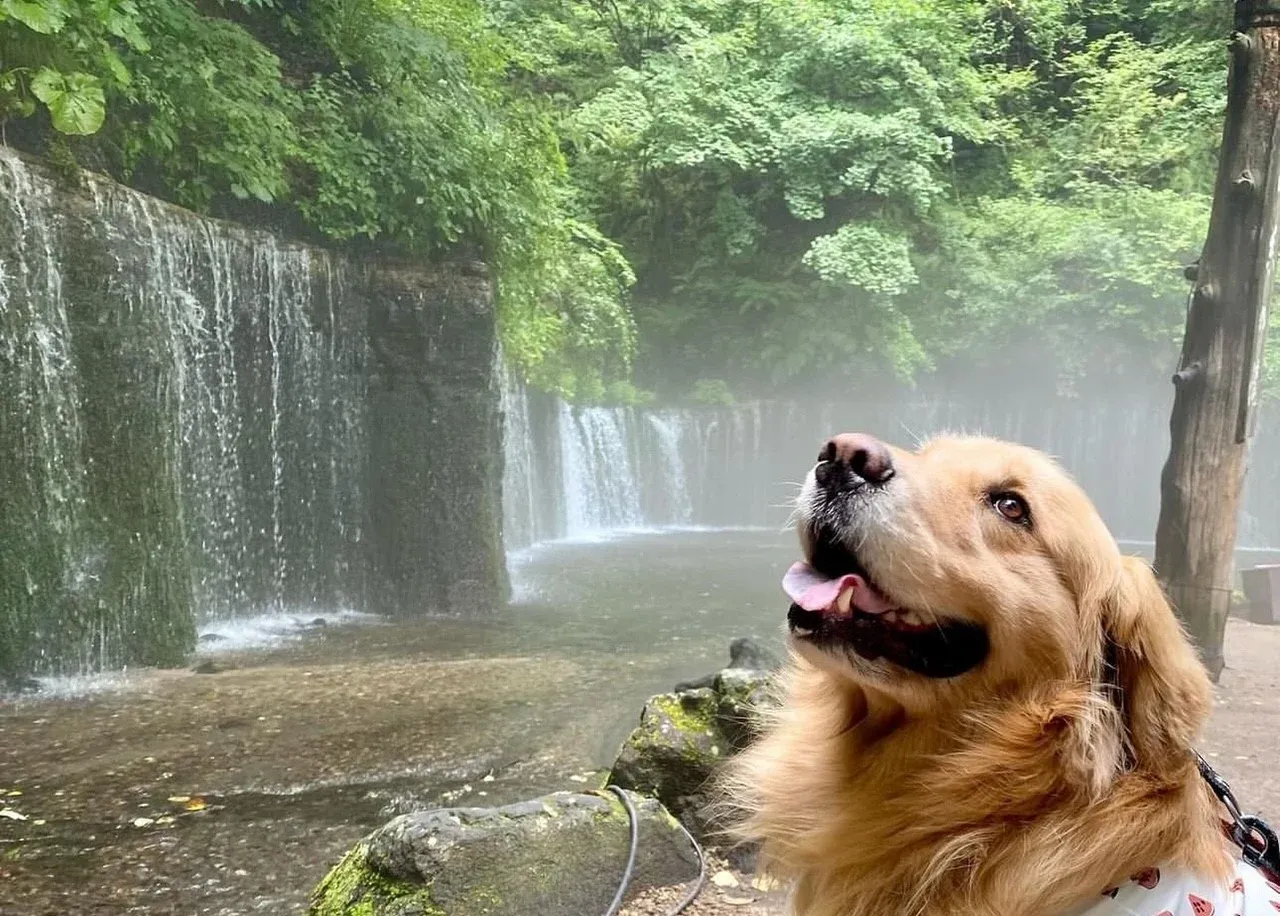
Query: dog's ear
1151, 671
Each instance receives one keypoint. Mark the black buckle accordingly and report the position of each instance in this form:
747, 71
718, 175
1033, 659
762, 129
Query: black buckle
1257, 841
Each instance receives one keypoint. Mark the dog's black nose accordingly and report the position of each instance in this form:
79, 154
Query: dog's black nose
850, 459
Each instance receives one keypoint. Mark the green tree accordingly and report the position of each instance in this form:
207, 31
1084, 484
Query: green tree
780, 191
808, 189
377, 122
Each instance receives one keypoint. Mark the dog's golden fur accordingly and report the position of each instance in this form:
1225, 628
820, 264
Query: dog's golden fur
1025, 787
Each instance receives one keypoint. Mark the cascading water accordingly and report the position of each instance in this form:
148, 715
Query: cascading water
268, 434
574, 472
43, 479
669, 426
583, 472
600, 471
181, 424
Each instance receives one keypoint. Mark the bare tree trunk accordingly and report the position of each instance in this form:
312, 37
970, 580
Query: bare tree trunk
1217, 380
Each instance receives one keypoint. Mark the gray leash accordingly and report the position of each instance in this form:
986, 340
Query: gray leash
634, 820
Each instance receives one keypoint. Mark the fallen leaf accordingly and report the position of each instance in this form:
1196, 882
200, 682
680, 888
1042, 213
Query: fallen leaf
195, 804
724, 879
12, 815
13, 793
143, 821
179, 799
765, 883
39, 822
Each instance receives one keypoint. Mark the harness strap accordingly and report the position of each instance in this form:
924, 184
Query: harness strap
1255, 837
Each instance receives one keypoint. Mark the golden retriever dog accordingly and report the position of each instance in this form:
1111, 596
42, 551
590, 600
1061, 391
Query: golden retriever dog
988, 711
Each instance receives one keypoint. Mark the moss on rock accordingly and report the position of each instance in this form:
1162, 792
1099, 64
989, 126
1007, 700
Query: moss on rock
554, 856
354, 888
740, 694
682, 739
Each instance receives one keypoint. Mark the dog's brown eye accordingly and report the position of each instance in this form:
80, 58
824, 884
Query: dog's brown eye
1011, 506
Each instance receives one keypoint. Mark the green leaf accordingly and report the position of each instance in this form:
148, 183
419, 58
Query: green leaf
75, 100
44, 16
118, 70
125, 27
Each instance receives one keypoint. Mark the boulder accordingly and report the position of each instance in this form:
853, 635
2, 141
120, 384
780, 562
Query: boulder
560, 855
745, 652
749, 652
673, 754
740, 694
682, 739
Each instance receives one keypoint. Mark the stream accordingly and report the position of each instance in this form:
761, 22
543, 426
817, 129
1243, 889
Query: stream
293, 751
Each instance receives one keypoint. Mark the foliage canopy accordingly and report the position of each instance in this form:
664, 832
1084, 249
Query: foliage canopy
778, 190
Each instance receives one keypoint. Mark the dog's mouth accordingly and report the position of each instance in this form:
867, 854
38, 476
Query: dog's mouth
837, 605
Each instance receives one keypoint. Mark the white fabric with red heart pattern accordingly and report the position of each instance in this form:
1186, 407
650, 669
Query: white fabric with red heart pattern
1173, 892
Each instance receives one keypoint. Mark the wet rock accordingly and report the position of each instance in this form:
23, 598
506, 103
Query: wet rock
560, 855
673, 754
683, 738
211, 667
744, 652
740, 693
749, 652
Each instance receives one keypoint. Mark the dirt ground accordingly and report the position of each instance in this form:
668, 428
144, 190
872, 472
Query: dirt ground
231, 794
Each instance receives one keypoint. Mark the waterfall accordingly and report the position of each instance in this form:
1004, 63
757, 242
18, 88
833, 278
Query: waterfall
530, 513
519, 509
670, 428
585, 472
181, 428
600, 470
590, 471
268, 438
43, 479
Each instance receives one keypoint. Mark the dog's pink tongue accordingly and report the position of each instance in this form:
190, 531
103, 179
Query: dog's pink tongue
815, 592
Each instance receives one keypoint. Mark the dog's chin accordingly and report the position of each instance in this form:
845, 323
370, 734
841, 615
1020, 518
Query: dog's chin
866, 629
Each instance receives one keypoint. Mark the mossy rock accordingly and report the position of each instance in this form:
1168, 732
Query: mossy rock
673, 754
740, 694
560, 855
684, 737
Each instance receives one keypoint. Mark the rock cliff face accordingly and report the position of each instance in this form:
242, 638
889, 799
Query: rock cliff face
435, 442
200, 420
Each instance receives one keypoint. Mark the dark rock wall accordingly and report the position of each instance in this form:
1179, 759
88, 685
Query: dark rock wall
435, 504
